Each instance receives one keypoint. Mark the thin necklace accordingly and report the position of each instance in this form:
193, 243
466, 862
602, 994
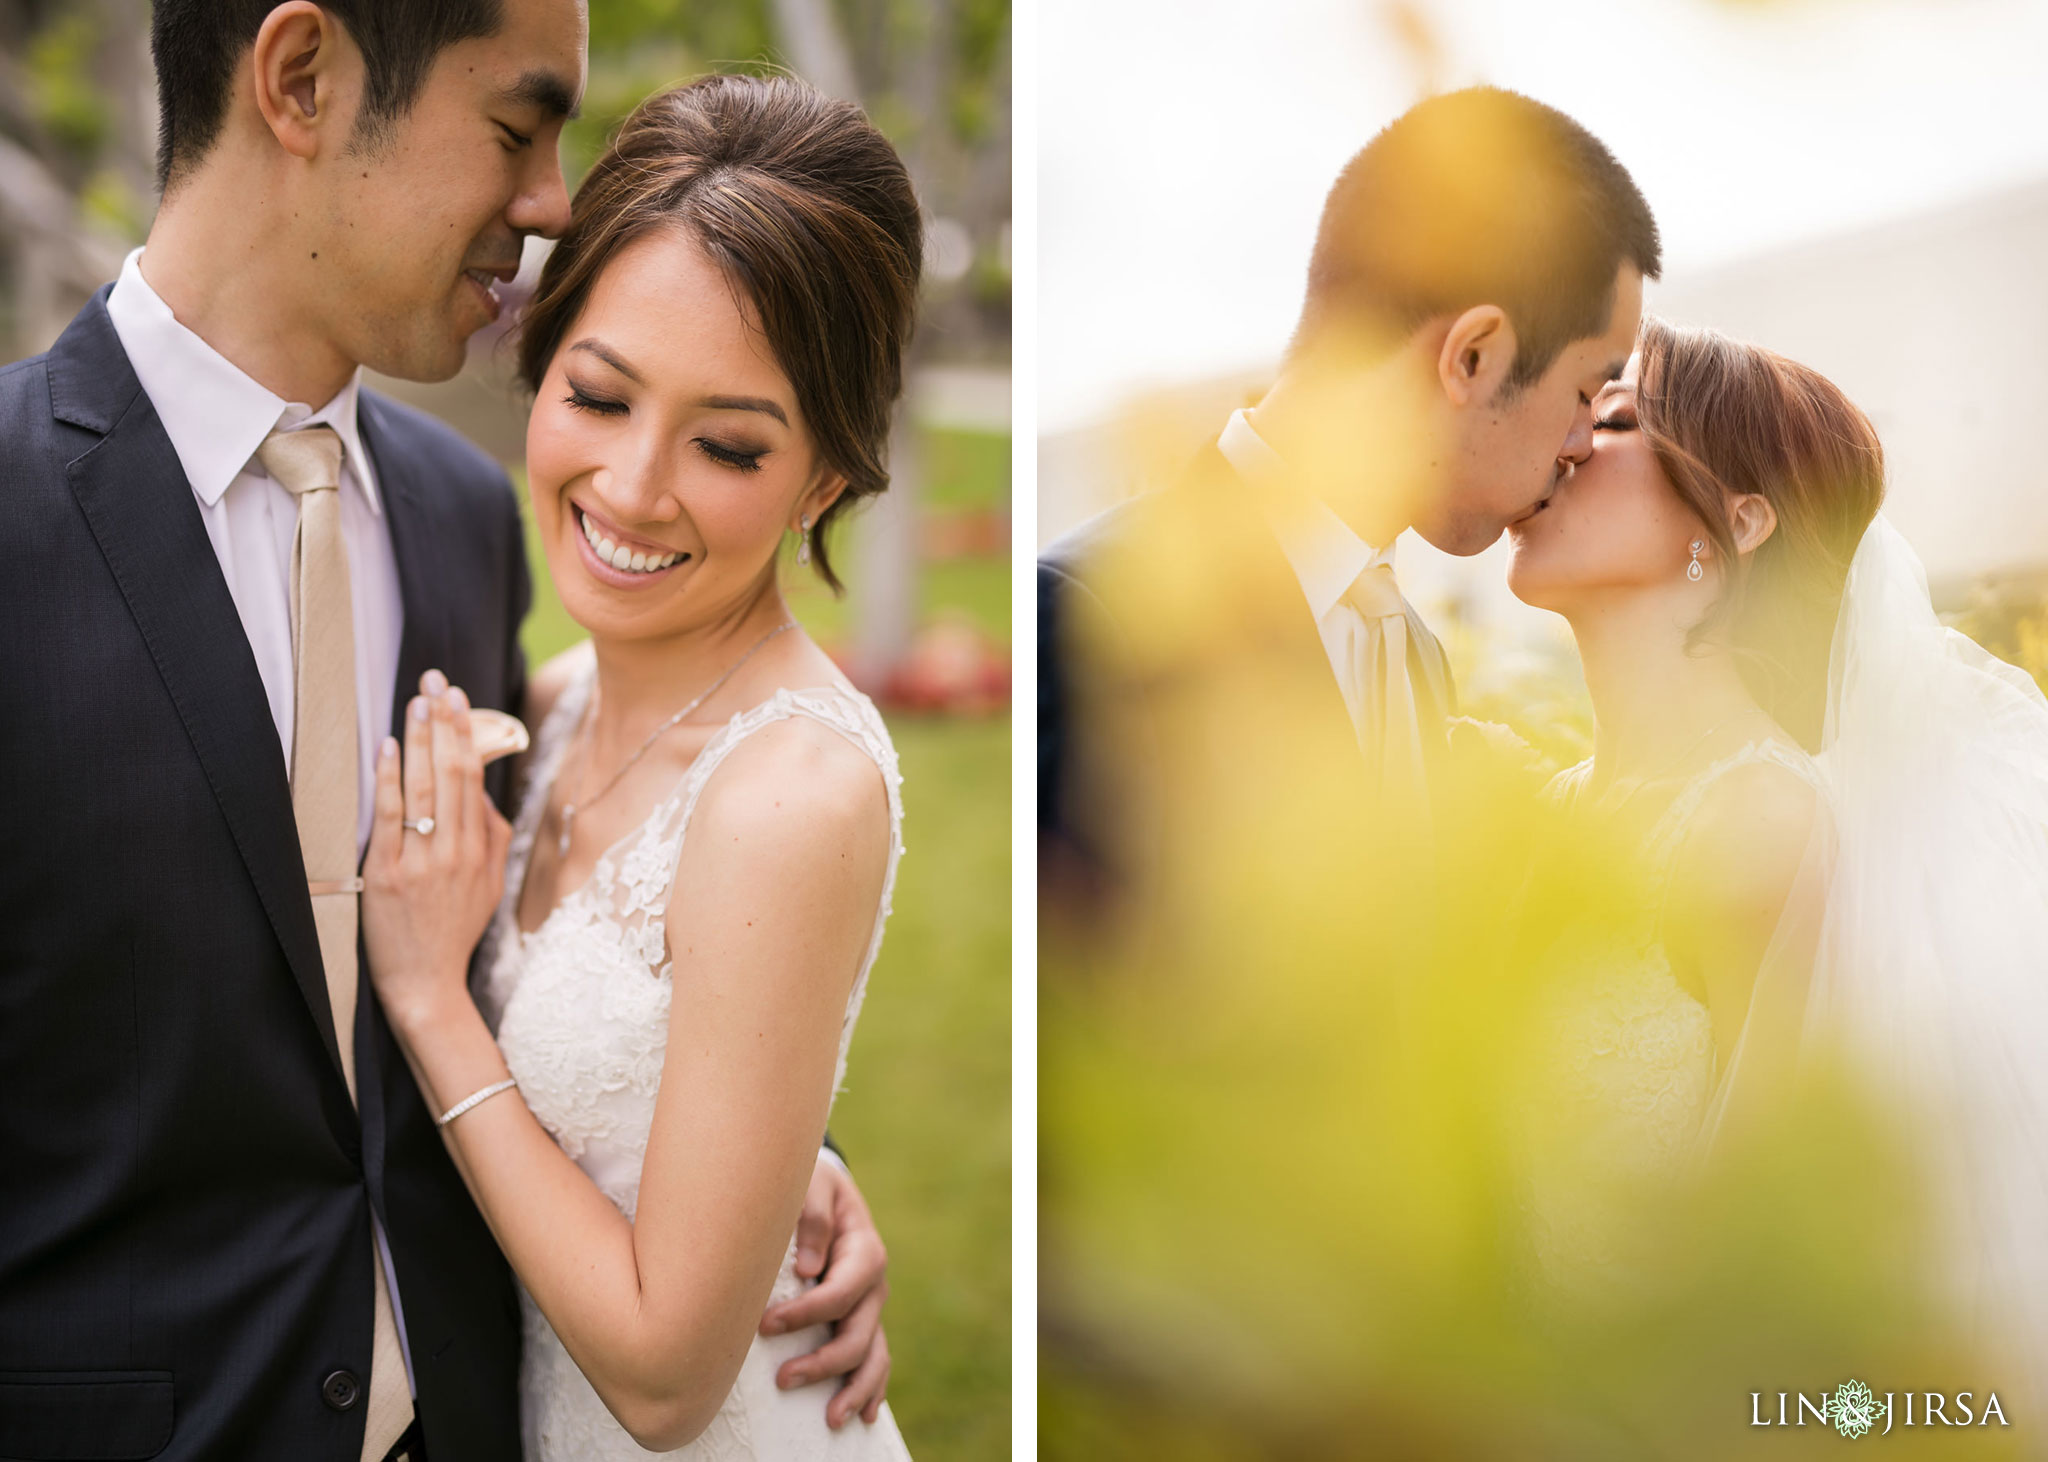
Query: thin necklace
1637, 784
570, 809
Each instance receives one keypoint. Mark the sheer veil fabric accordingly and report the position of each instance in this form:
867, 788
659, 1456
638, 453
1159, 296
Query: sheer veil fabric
1915, 941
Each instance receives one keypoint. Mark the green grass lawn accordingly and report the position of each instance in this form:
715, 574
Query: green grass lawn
925, 1120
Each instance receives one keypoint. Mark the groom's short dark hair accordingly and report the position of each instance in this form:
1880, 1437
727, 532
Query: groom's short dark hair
1475, 197
197, 43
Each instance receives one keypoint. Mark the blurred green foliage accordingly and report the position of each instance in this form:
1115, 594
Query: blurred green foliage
108, 202
965, 469
1287, 1205
2011, 621
66, 96
1371, 1135
637, 46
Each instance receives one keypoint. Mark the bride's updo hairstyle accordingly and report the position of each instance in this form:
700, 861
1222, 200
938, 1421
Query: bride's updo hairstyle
807, 209
1726, 418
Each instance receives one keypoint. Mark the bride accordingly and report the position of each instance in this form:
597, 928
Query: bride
1842, 807
683, 916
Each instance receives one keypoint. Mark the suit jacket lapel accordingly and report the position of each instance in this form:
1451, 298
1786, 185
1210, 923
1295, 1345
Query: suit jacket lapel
410, 510
1267, 591
133, 492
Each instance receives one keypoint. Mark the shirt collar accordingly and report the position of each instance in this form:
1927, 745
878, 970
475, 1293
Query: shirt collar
1326, 556
214, 414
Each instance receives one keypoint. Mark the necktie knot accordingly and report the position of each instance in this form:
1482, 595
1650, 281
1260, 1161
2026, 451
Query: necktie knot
1375, 595
303, 461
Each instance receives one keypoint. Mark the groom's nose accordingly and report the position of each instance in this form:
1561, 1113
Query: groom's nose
541, 205
1578, 443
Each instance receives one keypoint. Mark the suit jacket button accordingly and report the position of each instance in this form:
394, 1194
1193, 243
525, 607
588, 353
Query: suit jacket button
340, 1390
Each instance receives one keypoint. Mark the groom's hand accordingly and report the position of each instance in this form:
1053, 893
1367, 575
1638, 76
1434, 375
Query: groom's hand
837, 1244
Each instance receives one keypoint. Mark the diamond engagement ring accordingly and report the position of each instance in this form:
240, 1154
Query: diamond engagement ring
424, 826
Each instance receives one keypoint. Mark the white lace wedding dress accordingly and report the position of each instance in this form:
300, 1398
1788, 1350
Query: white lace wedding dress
1629, 1066
580, 1007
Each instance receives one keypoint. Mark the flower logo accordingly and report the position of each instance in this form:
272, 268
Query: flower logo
1853, 1409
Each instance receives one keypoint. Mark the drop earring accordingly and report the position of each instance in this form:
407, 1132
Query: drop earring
1693, 570
803, 542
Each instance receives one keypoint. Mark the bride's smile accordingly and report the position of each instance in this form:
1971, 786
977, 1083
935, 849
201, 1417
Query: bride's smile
616, 556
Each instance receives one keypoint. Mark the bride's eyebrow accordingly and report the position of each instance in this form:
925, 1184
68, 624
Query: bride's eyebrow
745, 403
610, 357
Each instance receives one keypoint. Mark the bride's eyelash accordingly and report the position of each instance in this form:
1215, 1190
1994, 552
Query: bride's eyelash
579, 400
731, 457
1615, 423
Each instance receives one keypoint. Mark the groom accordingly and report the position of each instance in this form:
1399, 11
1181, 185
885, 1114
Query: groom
1476, 278
230, 1229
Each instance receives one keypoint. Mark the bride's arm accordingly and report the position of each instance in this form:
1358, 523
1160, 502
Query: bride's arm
773, 903
1738, 867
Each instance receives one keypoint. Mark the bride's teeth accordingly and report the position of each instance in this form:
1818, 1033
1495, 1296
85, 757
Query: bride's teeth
626, 560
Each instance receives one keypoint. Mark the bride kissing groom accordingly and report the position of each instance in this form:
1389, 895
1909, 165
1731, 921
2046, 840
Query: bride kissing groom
1839, 806
249, 1214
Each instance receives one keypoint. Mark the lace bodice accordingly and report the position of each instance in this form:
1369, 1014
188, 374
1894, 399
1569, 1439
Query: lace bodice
580, 1007
1628, 1052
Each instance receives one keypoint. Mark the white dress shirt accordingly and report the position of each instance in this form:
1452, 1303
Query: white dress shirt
216, 418
1326, 556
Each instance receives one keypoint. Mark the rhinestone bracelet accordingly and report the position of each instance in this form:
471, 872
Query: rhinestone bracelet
473, 1099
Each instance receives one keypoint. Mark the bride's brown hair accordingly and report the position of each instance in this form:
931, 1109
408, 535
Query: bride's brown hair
1724, 419
809, 212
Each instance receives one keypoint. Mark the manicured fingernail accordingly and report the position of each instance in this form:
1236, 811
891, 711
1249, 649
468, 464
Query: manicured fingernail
807, 1256
420, 709
433, 682
771, 1327
457, 699
389, 749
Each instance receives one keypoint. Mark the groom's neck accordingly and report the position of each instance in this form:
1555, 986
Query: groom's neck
1348, 438
230, 276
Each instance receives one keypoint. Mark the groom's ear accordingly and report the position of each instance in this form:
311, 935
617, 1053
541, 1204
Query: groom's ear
1753, 520
1476, 356
301, 65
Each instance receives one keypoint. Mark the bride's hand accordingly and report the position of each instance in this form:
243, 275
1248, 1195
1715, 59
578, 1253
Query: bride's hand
428, 895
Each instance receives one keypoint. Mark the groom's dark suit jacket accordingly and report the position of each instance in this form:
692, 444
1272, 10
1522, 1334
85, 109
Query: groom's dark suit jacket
185, 1189
1180, 670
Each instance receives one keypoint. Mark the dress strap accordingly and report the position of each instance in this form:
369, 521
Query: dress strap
1667, 838
1685, 806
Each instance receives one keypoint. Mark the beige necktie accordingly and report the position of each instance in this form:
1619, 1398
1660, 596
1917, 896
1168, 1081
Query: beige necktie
1390, 730
307, 464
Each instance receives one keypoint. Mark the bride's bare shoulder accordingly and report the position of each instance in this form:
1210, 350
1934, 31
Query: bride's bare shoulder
796, 812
